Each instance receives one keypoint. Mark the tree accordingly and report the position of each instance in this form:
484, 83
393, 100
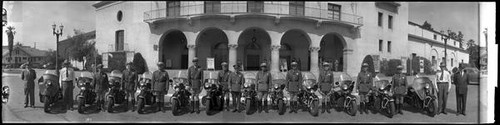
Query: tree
51, 60
80, 46
10, 38
139, 63
460, 38
470, 43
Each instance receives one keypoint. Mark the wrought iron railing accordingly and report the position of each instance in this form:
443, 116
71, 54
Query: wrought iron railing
241, 9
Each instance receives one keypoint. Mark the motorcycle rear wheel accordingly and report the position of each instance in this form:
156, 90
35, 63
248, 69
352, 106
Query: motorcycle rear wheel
314, 109
352, 109
81, 105
140, 106
281, 107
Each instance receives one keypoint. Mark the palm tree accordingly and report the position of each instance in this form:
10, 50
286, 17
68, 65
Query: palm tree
10, 37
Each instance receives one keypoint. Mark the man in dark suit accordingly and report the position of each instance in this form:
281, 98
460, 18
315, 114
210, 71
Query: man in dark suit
461, 82
28, 75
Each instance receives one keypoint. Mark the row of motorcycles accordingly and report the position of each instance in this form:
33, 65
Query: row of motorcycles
421, 93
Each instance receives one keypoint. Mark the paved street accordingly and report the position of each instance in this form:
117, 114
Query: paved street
13, 112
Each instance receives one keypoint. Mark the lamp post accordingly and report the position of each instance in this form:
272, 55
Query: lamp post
446, 38
57, 33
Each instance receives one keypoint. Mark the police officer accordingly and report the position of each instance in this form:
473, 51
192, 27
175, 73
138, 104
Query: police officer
160, 86
223, 78
293, 79
263, 87
130, 83
399, 86
325, 83
365, 84
236, 81
101, 85
195, 76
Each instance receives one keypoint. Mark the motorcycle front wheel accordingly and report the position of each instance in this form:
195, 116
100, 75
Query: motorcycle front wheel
432, 109
314, 109
209, 107
140, 106
281, 107
46, 104
110, 104
391, 109
352, 109
81, 105
175, 104
248, 106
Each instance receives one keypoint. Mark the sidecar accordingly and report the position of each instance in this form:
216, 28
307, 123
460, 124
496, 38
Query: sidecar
422, 94
213, 98
50, 89
276, 96
86, 96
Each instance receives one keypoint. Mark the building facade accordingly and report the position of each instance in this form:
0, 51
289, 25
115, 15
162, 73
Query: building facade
22, 54
251, 32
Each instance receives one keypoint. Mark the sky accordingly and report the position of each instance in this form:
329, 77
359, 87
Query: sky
33, 19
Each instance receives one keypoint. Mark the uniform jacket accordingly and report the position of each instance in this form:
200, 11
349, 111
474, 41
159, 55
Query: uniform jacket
263, 81
101, 81
325, 80
461, 82
365, 81
236, 81
399, 84
28, 76
160, 80
293, 80
130, 80
195, 76
223, 78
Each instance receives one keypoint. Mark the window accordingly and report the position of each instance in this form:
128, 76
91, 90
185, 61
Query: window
255, 6
119, 16
388, 46
212, 6
380, 16
390, 22
119, 40
451, 62
380, 44
435, 37
173, 8
434, 61
24, 58
454, 43
335, 9
297, 8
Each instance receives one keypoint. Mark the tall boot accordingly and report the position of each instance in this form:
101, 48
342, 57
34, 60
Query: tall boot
197, 106
366, 108
361, 106
400, 108
259, 106
327, 108
227, 104
133, 105
266, 107
162, 107
192, 106
99, 105
102, 105
291, 107
323, 107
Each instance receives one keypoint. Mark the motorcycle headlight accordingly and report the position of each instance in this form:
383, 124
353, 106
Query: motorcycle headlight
177, 89
247, 85
427, 86
49, 83
207, 85
344, 87
82, 88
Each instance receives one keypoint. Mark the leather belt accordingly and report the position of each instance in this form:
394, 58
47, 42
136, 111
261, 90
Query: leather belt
442, 82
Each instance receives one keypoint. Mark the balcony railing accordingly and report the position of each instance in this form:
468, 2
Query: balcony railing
275, 9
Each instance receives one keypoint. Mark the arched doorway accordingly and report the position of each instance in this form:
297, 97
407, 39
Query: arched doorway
212, 43
173, 50
295, 46
434, 58
332, 50
254, 47
369, 60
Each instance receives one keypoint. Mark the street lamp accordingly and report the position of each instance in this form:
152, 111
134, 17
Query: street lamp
446, 38
57, 33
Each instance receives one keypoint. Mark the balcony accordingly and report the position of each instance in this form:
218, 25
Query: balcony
240, 9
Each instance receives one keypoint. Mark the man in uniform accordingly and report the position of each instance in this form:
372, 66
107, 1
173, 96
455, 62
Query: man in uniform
263, 87
365, 84
223, 78
399, 86
130, 82
461, 82
67, 78
195, 76
28, 76
101, 85
236, 81
443, 78
293, 78
325, 81
160, 86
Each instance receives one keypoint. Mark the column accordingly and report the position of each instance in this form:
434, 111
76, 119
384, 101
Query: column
275, 57
314, 60
232, 55
347, 58
191, 54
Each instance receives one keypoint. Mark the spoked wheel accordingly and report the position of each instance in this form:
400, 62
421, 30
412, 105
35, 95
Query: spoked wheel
281, 107
46, 104
248, 105
175, 107
110, 104
352, 109
140, 106
314, 109
81, 105
391, 109
432, 109
209, 107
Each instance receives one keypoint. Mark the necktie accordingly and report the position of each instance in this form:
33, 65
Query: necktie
67, 75
442, 74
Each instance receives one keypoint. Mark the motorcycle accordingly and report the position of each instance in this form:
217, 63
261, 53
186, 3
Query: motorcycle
307, 97
116, 95
180, 98
249, 93
50, 90
145, 95
423, 95
5, 94
276, 96
384, 100
345, 95
213, 99
86, 96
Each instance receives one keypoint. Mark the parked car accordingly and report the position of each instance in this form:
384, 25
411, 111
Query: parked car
473, 74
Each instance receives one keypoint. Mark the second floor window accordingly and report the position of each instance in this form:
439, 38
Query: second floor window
173, 8
380, 16
119, 36
335, 9
388, 46
297, 8
435, 37
255, 6
380, 45
212, 6
390, 22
